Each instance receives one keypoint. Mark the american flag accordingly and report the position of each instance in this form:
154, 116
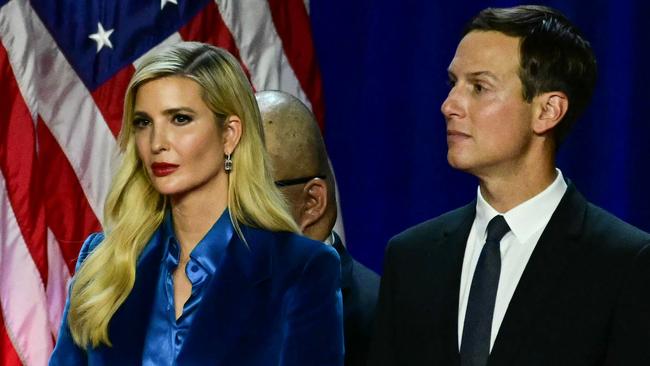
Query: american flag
64, 68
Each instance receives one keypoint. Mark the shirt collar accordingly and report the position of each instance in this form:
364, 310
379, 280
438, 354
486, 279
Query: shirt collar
528, 217
330, 239
210, 250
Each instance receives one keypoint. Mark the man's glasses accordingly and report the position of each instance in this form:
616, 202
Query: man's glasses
293, 182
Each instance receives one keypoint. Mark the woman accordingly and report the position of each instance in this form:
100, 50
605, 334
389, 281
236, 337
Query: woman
199, 262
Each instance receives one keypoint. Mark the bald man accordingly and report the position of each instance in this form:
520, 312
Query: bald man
302, 172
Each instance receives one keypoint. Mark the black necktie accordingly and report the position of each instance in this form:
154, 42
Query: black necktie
475, 345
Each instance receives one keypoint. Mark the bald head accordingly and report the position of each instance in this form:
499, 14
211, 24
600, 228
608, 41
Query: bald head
297, 150
293, 138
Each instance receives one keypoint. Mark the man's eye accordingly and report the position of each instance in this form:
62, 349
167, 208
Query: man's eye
478, 88
141, 122
451, 83
182, 119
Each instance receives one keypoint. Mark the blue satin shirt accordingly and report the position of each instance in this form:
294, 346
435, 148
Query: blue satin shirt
273, 299
166, 334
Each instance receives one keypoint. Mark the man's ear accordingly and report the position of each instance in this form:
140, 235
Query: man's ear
550, 108
232, 129
314, 198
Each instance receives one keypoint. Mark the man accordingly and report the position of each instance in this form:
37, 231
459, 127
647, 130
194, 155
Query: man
301, 169
529, 273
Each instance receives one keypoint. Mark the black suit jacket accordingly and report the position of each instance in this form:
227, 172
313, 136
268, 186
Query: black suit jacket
360, 287
583, 299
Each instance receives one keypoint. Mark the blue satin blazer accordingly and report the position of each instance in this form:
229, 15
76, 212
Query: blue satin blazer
276, 301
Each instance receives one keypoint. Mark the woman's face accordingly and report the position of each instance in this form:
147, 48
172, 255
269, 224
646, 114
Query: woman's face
177, 136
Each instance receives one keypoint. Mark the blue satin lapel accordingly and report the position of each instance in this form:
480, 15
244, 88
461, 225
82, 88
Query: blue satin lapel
238, 294
251, 260
128, 327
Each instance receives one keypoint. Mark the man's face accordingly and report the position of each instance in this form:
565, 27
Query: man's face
488, 121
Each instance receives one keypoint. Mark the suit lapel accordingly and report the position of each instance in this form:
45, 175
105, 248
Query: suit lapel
455, 241
435, 267
555, 249
128, 327
235, 294
346, 264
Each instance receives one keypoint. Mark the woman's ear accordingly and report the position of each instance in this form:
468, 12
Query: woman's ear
232, 130
551, 108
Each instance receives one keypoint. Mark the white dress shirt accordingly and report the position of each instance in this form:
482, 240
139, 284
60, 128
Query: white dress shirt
527, 222
330, 239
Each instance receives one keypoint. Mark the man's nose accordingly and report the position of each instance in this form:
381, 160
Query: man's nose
452, 106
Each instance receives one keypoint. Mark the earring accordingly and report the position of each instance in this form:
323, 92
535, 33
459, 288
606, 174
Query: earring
227, 164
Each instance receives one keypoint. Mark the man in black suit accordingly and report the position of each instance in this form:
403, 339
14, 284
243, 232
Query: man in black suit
301, 169
530, 273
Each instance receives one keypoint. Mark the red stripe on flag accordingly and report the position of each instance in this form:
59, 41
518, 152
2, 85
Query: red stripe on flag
208, 27
19, 166
292, 24
8, 355
68, 213
109, 98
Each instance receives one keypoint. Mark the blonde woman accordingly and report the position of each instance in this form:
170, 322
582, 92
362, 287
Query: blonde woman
199, 262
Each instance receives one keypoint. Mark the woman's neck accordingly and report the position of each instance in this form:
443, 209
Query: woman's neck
194, 214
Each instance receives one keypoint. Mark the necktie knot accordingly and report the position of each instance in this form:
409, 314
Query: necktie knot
497, 228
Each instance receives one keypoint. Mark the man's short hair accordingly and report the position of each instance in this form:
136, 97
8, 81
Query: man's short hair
554, 56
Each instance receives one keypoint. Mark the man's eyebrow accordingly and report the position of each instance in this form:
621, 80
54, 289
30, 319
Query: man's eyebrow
473, 75
477, 74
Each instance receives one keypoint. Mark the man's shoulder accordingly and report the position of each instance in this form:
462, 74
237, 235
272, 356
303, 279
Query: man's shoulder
600, 225
605, 235
435, 228
365, 278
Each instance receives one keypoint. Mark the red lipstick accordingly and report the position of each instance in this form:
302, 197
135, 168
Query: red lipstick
163, 169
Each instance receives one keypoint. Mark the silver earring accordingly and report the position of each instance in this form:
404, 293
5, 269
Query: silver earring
227, 164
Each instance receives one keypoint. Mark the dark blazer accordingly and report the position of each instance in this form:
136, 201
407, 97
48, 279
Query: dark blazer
273, 301
360, 287
583, 299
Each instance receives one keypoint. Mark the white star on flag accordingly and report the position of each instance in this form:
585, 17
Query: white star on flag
164, 2
101, 37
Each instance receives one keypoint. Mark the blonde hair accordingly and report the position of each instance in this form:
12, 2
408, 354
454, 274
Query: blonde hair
134, 209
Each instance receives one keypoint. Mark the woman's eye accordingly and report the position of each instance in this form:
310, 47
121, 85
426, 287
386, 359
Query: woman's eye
141, 122
182, 119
